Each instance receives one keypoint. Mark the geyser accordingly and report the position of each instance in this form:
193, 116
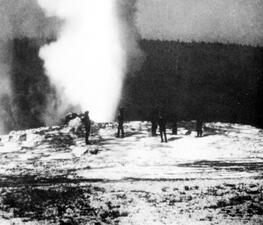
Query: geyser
86, 62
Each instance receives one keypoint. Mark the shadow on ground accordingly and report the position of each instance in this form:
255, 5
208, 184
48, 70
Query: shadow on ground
234, 166
69, 205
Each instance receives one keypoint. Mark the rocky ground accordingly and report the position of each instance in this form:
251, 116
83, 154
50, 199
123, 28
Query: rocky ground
49, 176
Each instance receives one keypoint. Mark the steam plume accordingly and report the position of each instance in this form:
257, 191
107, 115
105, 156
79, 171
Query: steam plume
127, 15
87, 62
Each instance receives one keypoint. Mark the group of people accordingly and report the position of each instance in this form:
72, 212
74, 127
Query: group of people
162, 128
157, 120
85, 119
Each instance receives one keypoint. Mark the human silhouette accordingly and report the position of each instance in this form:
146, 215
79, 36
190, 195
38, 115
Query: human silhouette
199, 125
87, 124
120, 119
162, 127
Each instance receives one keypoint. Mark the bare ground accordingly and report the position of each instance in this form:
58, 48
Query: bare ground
43, 189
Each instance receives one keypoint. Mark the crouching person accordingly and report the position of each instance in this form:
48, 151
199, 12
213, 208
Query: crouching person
70, 116
72, 123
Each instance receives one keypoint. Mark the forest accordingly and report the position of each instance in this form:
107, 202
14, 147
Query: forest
214, 81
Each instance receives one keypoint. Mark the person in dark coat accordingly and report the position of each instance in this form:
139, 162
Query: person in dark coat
120, 123
162, 127
199, 125
87, 125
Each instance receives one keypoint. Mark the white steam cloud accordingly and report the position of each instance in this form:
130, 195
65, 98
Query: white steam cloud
226, 21
130, 36
5, 90
87, 62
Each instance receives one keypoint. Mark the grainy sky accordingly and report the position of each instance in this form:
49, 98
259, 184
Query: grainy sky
25, 18
234, 21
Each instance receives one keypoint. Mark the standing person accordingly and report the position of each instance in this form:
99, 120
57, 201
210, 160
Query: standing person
162, 127
120, 123
199, 125
87, 123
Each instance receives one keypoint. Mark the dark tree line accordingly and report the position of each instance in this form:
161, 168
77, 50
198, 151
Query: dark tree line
218, 82
186, 80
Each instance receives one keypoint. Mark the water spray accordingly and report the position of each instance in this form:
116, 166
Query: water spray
87, 61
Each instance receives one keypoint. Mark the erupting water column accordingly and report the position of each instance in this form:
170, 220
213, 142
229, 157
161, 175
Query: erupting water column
87, 61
